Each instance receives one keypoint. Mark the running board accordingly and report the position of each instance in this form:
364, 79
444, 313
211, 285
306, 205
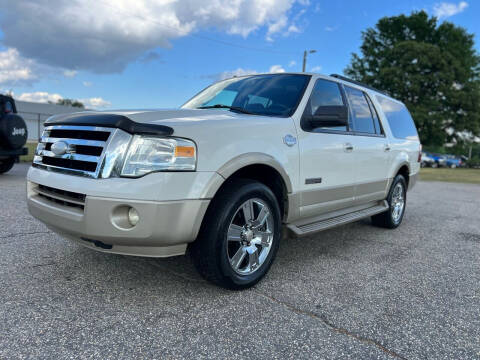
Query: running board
307, 229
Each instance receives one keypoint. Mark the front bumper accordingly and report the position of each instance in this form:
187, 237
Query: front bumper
100, 222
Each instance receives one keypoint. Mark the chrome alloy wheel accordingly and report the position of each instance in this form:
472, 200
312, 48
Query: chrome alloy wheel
398, 202
250, 236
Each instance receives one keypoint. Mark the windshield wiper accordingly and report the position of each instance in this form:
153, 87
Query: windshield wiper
221, 106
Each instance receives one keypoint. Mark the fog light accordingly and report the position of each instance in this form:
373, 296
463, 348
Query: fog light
133, 216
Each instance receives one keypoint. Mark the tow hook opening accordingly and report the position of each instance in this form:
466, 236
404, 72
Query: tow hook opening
98, 243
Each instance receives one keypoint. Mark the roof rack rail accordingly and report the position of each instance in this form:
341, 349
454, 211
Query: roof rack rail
344, 78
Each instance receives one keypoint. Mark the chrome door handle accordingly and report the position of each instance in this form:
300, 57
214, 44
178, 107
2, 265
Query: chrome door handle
348, 147
387, 147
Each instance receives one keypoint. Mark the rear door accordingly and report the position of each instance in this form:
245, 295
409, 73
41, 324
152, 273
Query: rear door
327, 176
371, 148
404, 141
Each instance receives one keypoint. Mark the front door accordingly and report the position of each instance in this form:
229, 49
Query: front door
327, 157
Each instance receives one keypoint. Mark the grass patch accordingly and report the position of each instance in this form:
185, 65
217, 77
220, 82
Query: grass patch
32, 146
469, 176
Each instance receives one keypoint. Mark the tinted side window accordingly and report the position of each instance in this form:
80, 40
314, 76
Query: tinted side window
362, 117
325, 93
376, 120
399, 119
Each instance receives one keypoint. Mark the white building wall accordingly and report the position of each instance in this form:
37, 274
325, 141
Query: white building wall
35, 115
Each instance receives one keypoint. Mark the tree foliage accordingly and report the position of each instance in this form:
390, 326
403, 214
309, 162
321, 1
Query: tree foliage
70, 102
434, 69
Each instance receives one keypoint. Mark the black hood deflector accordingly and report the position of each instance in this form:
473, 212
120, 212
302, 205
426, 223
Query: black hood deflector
111, 121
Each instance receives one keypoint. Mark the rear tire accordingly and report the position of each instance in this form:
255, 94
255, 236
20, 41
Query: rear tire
397, 201
233, 255
6, 164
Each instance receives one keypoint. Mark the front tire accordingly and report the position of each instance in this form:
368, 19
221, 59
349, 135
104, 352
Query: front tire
397, 201
6, 164
240, 235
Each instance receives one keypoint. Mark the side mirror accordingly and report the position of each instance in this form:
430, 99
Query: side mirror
329, 116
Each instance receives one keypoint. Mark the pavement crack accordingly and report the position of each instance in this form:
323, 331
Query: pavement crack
331, 325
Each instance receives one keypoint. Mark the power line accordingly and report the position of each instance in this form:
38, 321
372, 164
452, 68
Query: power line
202, 37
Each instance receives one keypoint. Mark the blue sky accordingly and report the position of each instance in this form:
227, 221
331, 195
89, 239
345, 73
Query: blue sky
163, 65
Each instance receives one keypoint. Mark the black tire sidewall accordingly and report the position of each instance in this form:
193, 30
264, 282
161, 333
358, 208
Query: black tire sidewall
6, 164
226, 212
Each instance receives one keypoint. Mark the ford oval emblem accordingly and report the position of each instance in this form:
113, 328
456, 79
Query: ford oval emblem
290, 140
59, 148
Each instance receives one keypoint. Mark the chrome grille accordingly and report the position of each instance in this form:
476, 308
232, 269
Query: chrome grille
84, 149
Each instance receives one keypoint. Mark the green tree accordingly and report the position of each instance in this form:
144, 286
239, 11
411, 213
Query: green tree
434, 69
70, 102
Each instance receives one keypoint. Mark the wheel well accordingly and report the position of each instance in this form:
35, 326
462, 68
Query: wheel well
405, 172
268, 176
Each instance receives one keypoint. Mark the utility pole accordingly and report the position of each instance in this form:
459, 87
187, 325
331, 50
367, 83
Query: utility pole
305, 53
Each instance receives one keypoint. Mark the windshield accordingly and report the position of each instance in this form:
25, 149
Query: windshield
273, 95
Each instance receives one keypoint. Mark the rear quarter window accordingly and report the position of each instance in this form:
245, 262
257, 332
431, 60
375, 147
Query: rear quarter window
399, 119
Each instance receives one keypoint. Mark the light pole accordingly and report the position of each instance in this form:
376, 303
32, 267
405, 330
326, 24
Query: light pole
305, 53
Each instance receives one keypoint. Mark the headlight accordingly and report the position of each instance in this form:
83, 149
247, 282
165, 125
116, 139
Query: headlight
147, 154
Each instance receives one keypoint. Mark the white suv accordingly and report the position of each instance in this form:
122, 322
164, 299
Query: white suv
225, 173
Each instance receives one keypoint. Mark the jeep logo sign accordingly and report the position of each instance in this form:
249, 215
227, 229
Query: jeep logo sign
16, 131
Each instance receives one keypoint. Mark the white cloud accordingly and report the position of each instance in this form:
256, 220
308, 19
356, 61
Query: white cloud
40, 96
276, 69
95, 103
286, 26
292, 63
70, 73
276, 27
242, 72
445, 9
292, 29
331, 28
15, 69
87, 83
45, 97
316, 69
231, 73
104, 36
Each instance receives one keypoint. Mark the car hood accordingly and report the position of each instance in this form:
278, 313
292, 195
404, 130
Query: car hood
172, 117
180, 122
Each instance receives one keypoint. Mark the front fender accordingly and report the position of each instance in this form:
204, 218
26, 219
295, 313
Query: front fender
255, 158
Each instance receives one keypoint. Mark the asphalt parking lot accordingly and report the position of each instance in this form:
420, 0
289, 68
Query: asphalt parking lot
355, 292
